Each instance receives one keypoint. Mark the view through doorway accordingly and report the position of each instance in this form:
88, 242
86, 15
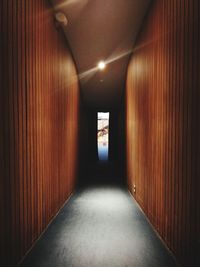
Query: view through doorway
103, 135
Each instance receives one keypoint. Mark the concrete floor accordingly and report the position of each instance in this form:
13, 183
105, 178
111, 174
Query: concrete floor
100, 226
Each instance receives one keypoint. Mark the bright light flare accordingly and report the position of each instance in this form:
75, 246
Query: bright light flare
101, 65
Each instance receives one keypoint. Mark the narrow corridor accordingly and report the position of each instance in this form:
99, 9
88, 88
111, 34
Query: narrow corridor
100, 133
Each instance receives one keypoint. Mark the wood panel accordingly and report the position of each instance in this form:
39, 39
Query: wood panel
39, 112
162, 124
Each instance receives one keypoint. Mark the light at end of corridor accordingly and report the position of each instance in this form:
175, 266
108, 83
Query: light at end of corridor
101, 65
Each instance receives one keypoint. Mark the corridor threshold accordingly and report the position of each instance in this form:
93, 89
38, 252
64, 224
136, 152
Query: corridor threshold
100, 226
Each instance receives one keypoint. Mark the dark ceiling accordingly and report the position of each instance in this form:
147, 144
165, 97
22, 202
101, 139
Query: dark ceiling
102, 30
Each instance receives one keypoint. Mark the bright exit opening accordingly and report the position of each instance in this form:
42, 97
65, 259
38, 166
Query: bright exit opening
103, 135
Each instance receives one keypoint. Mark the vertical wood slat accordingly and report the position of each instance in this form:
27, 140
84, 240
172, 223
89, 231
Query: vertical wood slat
163, 118
39, 114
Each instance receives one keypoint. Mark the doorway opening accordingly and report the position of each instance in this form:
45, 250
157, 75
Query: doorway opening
103, 135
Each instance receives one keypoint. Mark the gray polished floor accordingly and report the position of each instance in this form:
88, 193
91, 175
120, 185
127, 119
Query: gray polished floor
100, 226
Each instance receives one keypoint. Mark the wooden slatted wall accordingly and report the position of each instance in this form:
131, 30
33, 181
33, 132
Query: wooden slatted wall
163, 124
39, 103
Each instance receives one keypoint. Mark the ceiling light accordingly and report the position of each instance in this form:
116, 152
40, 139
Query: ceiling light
101, 65
61, 18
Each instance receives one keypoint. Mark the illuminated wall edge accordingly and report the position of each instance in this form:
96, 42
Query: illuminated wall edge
162, 124
39, 114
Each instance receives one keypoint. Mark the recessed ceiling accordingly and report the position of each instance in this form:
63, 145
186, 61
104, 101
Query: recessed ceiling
102, 30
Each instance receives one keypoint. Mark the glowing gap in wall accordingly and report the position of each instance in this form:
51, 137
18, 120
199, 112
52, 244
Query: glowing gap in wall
103, 135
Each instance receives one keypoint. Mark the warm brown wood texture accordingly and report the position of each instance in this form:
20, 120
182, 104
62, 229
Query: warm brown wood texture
163, 119
39, 101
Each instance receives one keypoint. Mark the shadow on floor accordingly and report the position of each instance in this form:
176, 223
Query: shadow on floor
102, 173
